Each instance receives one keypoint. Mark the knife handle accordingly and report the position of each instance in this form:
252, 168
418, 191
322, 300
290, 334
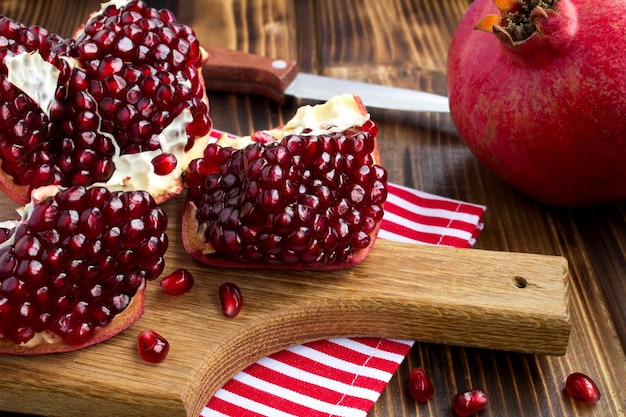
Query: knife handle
246, 73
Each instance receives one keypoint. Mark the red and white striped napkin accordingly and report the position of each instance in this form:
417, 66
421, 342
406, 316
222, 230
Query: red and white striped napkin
344, 377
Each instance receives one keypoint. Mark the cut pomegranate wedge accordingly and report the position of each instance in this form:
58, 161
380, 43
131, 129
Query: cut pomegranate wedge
111, 118
307, 195
122, 104
73, 269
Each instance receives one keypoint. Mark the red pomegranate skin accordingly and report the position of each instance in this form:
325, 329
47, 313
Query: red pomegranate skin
548, 116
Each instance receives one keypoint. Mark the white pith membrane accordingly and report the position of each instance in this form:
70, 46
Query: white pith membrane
34, 76
117, 3
136, 172
338, 114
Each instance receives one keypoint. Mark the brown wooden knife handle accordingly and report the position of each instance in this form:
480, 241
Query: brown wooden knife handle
242, 72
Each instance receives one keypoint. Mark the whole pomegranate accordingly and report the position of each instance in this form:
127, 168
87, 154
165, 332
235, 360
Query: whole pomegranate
538, 93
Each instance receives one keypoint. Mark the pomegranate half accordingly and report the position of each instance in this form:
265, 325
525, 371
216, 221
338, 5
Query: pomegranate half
307, 195
537, 90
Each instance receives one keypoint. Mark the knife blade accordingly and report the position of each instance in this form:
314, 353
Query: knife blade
241, 72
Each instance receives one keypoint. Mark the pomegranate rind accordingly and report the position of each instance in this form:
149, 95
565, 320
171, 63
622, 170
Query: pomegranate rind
337, 115
50, 343
201, 251
17, 193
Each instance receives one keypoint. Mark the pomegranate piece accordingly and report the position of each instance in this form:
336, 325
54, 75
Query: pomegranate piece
123, 103
470, 402
230, 299
73, 270
152, 347
419, 387
581, 386
308, 195
178, 282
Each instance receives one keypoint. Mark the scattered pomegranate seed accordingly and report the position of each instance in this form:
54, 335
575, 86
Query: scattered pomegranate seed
470, 402
581, 386
230, 297
152, 346
178, 282
420, 388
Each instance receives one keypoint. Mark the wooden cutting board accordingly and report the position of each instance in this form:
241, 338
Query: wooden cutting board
469, 297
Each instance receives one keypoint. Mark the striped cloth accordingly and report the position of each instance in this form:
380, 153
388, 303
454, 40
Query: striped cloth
344, 377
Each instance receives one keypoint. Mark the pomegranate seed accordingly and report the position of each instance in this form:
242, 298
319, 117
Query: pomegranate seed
470, 402
125, 48
89, 50
178, 282
4, 234
164, 163
420, 388
230, 298
152, 346
579, 385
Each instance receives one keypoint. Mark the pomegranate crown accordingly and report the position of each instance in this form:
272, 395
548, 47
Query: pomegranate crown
518, 20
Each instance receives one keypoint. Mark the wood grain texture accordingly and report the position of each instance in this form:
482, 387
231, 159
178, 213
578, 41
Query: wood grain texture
404, 43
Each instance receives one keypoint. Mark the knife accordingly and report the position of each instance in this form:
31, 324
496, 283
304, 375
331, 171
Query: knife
242, 72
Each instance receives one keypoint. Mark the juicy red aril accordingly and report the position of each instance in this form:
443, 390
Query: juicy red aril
4, 234
290, 201
178, 282
152, 347
69, 262
470, 402
164, 163
419, 387
230, 299
579, 385
159, 61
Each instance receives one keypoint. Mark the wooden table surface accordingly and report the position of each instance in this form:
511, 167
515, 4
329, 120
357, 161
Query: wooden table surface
404, 43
